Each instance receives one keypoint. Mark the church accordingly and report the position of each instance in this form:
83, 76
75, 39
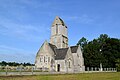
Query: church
56, 55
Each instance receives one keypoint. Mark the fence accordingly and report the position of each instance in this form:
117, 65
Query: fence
101, 69
31, 70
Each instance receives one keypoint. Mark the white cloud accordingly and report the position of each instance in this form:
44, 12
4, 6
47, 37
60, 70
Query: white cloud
85, 19
9, 48
17, 57
19, 31
36, 4
26, 32
16, 23
23, 4
9, 53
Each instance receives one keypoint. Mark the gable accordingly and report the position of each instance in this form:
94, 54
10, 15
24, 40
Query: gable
58, 21
46, 48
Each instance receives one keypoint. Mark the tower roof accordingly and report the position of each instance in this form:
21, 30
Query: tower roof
58, 21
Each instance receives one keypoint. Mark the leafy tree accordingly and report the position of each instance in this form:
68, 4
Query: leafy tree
3, 63
103, 50
91, 54
118, 64
82, 42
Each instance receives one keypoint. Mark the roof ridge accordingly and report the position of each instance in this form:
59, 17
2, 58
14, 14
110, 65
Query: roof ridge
74, 46
62, 48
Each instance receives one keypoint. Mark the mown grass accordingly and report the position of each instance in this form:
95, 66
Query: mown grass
81, 76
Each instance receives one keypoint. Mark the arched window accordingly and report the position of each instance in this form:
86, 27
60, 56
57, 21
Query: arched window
44, 59
48, 59
52, 62
56, 28
40, 59
69, 65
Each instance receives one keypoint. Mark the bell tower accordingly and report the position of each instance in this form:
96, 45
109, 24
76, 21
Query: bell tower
59, 35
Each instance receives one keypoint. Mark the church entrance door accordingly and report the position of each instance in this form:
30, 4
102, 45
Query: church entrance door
58, 67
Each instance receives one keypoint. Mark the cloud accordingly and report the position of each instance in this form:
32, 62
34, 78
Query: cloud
26, 32
10, 48
23, 4
17, 57
9, 53
85, 19
16, 20
18, 23
36, 4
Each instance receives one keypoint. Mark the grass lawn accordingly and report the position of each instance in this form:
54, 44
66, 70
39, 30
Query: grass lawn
81, 76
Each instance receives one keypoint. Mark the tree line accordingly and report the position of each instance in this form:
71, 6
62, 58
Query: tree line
103, 50
3, 63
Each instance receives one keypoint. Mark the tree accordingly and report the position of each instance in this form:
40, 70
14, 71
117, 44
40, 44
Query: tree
118, 64
3, 63
103, 50
91, 54
82, 42
111, 51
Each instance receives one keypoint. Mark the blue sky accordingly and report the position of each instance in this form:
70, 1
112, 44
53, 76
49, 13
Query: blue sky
25, 24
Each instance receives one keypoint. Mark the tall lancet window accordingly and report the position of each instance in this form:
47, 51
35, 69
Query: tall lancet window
56, 28
69, 64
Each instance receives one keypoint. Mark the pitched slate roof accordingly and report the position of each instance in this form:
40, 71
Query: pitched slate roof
61, 53
74, 49
53, 47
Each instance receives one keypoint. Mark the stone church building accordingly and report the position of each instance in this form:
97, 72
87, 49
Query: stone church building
56, 55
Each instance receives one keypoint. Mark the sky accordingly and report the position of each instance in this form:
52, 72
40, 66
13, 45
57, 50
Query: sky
25, 24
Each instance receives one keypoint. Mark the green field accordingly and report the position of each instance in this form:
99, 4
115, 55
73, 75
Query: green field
81, 76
